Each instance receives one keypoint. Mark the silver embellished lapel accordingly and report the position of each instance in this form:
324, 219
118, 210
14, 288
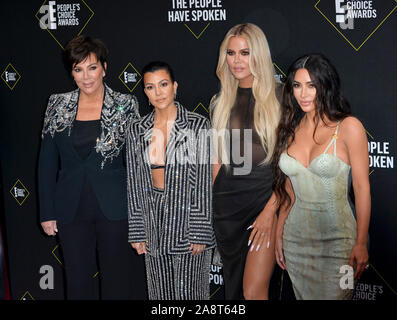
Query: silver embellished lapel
60, 113
116, 115
117, 111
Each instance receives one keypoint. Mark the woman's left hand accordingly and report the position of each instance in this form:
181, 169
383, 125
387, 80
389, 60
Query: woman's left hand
261, 230
197, 248
360, 255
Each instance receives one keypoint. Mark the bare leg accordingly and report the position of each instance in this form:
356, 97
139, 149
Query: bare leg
258, 270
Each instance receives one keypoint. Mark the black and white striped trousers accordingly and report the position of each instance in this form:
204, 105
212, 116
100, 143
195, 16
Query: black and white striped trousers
177, 276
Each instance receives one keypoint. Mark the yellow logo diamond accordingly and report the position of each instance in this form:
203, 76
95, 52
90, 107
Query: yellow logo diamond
356, 21
193, 33
64, 19
202, 106
19, 192
130, 77
27, 296
54, 254
10, 76
59, 260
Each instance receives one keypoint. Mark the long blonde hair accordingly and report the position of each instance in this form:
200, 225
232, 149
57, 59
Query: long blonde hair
267, 107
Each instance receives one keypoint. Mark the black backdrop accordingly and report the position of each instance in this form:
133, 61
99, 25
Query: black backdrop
136, 32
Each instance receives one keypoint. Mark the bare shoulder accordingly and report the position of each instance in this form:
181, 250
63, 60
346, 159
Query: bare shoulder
351, 129
351, 125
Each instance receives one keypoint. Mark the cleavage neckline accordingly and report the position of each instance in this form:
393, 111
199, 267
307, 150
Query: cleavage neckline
321, 154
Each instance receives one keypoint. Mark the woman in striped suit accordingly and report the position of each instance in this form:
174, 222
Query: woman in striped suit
169, 192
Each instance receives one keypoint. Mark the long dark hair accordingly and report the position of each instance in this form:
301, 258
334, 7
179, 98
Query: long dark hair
330, 104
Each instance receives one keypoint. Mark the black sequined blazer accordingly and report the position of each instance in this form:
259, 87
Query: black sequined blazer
61, 170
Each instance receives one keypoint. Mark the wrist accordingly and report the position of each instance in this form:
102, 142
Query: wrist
270, 212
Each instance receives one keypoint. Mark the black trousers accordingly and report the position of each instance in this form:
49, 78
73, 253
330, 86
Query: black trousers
92, 243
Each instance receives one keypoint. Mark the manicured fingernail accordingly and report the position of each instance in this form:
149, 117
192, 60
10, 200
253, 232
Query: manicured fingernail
268, 244
250, 227
249, 242
257, 248
252, 248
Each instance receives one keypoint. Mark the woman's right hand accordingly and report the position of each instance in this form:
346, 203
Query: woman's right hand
140, 247
50, 227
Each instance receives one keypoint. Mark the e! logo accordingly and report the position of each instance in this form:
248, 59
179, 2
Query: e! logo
341, 16
48, 21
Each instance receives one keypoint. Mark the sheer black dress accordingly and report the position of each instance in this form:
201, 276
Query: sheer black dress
240, 192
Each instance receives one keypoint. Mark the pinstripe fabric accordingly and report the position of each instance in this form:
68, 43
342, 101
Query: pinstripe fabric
176, 276
158, 203
188, 186
179, 277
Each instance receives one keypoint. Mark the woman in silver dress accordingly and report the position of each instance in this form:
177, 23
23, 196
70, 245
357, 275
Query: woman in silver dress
320, 147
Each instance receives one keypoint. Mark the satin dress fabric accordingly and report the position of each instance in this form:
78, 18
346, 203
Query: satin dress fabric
320, 230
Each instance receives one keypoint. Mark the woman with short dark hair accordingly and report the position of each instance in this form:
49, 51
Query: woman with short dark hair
82, 179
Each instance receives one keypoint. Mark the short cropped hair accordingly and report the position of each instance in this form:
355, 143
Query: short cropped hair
80, 47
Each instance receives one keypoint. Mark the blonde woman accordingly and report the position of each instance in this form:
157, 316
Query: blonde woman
245, 115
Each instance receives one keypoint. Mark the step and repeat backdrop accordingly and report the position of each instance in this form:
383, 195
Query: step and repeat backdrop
358, 36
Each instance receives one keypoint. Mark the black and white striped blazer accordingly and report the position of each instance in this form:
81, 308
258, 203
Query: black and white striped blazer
187, 190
